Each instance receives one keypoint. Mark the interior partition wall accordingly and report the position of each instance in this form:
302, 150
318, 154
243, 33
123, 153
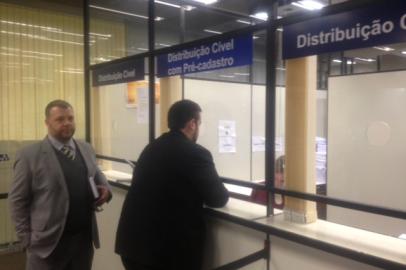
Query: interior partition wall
251, 101
249, 98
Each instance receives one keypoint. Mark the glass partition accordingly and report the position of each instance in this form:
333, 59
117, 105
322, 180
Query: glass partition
214, 23
168, 29
233, 125
292, 8
120, 121
226, 124
366, 145
353, 128
359, 143
117, 29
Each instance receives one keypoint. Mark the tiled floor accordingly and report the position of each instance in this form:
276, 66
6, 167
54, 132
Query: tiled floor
12, 261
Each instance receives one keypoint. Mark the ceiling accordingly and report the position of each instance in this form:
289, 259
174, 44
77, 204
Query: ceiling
199, 21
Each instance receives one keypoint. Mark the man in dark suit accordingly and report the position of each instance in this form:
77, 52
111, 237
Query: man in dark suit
51, 199
161, 224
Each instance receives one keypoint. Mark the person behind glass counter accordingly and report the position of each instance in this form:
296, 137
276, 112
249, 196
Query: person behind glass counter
51, 201
260, 196
161, 224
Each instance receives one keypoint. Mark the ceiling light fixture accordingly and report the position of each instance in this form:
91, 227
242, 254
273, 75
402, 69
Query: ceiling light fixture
227, 76
242, 74
10, 49
403, 52
74, 69
187, 7
308, 4
167, 4
386, 49
102, 59
8, 54
38, 57
255, 37
100, 35
119, 12
212, 31
365, 59
124, 13
42, 53
337, 61
40, 37
71, 72
164, 45
29, 25
260, 16
206, 2
244, 22
62, 32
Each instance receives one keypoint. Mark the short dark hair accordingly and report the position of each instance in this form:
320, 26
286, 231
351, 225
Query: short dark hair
56, 103
182, 112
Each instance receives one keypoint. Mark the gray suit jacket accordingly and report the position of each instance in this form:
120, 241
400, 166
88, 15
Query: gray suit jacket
39, 198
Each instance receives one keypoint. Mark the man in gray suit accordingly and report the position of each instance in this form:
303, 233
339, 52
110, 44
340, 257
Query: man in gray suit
57, 187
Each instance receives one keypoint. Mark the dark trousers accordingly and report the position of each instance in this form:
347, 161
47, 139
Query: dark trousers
73, 252
133, 265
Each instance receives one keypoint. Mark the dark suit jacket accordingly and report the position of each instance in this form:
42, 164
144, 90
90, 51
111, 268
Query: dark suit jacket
39, 198
162, 217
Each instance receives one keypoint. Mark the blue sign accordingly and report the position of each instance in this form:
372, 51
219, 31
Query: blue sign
224, 53
359, 28
119, 73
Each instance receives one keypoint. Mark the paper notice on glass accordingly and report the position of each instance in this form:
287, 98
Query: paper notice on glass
321, 145
279, 144
227, 128
93, 187
402, 236
143, 112
227, 136
258, 144
227, 144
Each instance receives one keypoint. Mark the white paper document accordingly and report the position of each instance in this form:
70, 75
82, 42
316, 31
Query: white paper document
227, 136
258, 144
227, 128
93, 187
142, 106
227, 144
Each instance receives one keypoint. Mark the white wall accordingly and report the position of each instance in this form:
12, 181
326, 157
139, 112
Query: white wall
367, 147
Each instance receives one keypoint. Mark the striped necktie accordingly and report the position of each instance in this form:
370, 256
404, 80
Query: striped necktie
68, 152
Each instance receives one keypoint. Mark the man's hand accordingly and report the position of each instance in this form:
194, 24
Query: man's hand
104, 195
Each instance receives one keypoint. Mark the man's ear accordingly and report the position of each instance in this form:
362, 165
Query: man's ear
191, 124
194, 123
